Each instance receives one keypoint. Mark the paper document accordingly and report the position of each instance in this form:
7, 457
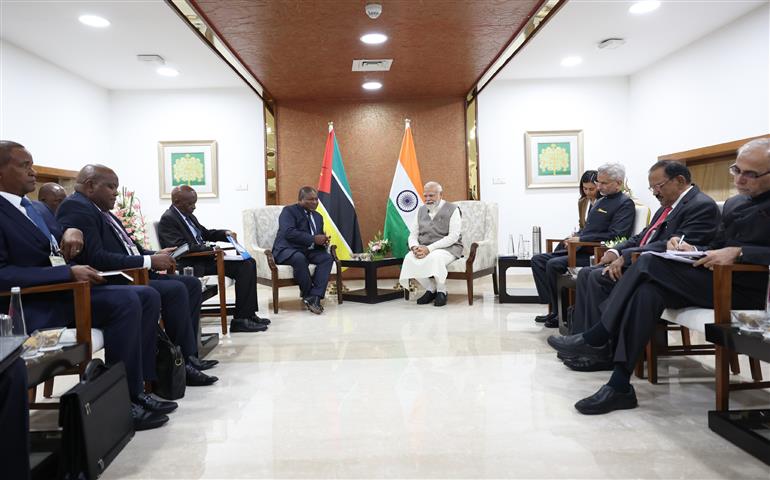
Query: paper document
678, 255
232, 258
116, 278
242, 253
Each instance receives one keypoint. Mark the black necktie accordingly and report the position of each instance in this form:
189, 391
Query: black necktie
310, 222
198, 237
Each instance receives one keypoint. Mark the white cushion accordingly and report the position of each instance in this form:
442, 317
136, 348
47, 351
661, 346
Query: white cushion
69, 337
694, 318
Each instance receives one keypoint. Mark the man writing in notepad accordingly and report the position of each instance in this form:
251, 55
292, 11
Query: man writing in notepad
178, 226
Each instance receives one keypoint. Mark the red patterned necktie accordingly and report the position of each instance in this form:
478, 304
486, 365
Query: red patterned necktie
654, 228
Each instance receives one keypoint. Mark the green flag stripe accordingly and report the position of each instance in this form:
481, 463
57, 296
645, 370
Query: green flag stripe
339, 170
396, 231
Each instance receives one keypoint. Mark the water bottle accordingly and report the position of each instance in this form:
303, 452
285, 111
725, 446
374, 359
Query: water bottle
16, 312
536, 241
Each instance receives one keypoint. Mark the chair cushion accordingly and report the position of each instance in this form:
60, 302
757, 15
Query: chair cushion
69, 337
286, 272
694, 318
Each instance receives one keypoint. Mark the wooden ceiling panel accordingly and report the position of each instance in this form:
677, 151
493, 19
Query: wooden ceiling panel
304, 49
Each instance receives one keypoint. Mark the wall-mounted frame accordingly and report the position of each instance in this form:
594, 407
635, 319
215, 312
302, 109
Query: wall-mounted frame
189, 162
553, 159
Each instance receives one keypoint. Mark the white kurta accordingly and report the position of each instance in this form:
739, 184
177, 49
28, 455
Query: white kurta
434, 264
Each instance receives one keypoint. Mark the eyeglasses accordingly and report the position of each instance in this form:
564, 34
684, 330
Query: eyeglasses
658, 186
735, 171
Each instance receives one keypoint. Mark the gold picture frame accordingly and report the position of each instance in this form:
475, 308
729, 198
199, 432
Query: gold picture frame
553, 159
188, 162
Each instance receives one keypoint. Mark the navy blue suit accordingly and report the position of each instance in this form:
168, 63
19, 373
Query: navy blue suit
294, 246
104, 250
14, 421
611, 217
696, 216
127, 315
48, 217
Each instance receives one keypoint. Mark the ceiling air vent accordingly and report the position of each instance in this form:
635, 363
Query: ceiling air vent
380, 65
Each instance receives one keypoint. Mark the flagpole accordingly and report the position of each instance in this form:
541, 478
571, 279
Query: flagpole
331, 126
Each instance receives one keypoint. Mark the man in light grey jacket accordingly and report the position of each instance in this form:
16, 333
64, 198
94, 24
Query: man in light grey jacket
434, 243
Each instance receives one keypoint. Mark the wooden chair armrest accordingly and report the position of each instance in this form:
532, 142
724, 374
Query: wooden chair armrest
573, 247
550, 242
723, 288
599, 253
54, 287
141, 276
471, 257
271, 262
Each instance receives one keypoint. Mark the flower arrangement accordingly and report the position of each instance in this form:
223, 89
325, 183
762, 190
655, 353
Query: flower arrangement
615, 241
129, 212
379, 247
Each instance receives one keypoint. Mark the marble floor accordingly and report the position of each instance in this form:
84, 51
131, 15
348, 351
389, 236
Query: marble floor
397, 390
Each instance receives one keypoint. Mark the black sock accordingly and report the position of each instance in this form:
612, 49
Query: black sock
597, 335
620, 379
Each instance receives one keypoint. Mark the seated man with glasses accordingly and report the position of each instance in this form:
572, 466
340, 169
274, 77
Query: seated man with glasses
612, 216
653, 284
684, 211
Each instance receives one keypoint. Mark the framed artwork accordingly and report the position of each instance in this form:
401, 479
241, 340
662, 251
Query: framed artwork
192, 163
553, 159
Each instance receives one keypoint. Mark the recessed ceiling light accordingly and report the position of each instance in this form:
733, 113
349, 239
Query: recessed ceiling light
167, 71
372, 86
571, 61
94, 21
374, 38
644, 6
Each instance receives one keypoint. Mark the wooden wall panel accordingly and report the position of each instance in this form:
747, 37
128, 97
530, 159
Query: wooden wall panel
369, 135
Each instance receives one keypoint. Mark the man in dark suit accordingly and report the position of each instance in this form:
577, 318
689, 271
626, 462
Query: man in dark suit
14, 421
653, 284
109, 247
29, 256
612, 216
178, 226
301, 241
684, 210
50, 197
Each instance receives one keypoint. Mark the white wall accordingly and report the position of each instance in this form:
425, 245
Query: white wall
60, 117
509, 108
712, 91
67, 122
232, 117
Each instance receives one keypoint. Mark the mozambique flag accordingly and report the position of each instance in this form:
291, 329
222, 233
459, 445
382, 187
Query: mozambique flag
336, 201
404, 198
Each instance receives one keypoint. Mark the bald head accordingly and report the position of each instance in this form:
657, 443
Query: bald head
752, 168
99, 184
184, 198
51, 194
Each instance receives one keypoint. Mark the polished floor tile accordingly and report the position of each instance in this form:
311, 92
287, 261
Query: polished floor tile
397, 390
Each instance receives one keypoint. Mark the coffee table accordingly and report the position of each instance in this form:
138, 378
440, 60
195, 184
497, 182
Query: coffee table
370, 293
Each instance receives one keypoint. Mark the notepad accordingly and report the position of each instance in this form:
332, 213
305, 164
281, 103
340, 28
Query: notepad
679, 255
116, 278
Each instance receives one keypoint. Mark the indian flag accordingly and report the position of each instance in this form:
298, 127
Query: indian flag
405, 198
336, 202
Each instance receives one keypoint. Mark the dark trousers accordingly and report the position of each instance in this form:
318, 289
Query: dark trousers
128, 319
314, 285
14, 422
245, 275
546, 268
592, 291
653, 284
180, 300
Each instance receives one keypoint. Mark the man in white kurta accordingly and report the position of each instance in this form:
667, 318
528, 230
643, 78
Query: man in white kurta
434, 243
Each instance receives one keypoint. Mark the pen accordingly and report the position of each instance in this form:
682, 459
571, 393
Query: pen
679, 243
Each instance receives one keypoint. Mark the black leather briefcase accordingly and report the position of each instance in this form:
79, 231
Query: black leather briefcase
95, 416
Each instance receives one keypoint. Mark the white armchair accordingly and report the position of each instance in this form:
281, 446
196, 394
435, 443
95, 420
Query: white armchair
479, 238
260, 226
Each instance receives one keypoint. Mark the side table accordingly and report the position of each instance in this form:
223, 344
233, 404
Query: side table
518, 295
370, 293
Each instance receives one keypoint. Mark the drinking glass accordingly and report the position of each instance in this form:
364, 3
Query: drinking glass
188, 271
6, 326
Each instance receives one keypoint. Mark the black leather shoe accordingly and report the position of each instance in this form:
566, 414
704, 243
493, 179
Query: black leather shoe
552, 322
144, 420
201, 364
426, 298
606, 400
440, 300
546, 317
246, 325
313, 304
196, 378
589, 364
258, 319
571, 346
154, 405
